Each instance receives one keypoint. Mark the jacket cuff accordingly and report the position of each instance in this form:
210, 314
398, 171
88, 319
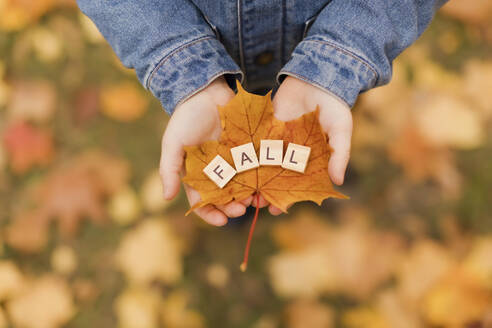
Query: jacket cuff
189, 69
329, 66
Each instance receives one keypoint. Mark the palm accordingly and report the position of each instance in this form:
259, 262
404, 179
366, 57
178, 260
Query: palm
192, 123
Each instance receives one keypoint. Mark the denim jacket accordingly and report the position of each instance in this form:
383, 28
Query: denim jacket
178, 47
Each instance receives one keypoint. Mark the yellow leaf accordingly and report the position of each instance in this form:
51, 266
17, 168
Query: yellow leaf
446, 120
150, 252
364, 317
478, 263
124, 206
309, 314
176, 314
45, 303
305, 229
456, 301
477, 85
138, 307
11, 280
423, 266
304, 273
151, 194
47, 45
217, 275
342, 262
123, 102
64, 260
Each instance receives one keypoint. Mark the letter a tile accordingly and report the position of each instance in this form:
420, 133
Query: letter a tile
271, 152
244, 157
219, 171
296, 157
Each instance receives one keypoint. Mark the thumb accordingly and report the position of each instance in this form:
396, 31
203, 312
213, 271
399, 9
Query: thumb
170, 165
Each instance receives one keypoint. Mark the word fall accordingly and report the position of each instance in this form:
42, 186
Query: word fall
244, 156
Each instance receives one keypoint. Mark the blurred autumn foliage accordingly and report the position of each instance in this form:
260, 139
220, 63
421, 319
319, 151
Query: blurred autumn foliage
87, 241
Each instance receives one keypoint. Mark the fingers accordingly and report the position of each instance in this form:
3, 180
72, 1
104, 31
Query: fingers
208, 213
262, 202
274, 210
170, 165
246, 202
211, 215
339, 135
232, 209
339, 127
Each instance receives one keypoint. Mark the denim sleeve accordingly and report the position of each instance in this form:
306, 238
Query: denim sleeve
351, 45
169, 43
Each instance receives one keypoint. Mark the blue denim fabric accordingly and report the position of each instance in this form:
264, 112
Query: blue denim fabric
178, 47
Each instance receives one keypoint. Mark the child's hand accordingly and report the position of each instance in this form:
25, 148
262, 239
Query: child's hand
295, 98
194, 121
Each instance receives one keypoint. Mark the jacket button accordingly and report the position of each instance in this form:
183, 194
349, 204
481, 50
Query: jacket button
264, 58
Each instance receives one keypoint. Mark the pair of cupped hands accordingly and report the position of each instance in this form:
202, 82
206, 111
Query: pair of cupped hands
197, 120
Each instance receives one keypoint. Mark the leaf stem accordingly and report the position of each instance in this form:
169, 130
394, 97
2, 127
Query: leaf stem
244, 265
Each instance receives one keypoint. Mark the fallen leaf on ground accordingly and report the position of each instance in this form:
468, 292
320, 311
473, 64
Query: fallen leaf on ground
471, 12
11, 280
477, 85
86, 105
47, 44
32, 100
85, 290
478, 263
138, 307
28, 232
68, 196
77, 189
46, 303
151, 193
302, 273
15, 14
64, 260
150, 252
341, 262
124, 206
456, 300
123, 102
364, 317
304, 229
309, 314
395, 312
27, 146
111, 173
420, 269
459, 125
217, 275
249, 118
175, 312
422, 160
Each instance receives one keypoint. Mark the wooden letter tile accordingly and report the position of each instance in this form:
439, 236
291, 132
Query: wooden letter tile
219, 171
296, 157
271, 152
244, 157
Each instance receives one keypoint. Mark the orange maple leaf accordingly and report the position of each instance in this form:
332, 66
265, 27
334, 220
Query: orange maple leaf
249, 118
